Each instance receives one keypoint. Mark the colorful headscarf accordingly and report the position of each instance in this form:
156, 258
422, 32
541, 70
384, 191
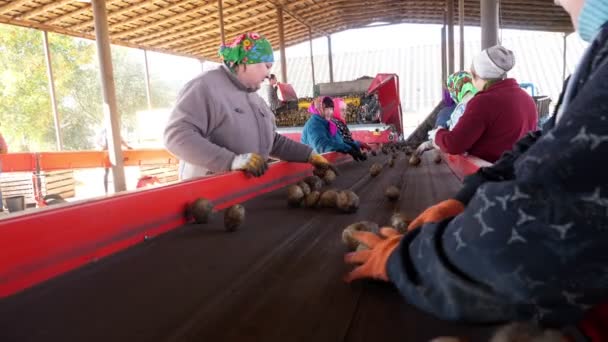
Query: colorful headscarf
460, 84
248, 48
447, 98
337, 112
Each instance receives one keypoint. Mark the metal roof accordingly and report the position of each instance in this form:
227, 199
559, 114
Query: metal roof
191, 27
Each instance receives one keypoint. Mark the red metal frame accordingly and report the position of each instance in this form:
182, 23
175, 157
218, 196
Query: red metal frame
50, 161
17, 162
462, 165
387, 88
37, 246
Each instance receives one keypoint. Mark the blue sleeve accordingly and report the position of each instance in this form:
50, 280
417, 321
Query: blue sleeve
317, 136
529, 248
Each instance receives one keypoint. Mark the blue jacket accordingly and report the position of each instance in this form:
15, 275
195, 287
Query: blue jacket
316, 135
531, 243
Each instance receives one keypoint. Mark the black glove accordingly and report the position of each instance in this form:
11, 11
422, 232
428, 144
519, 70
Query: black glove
356, 154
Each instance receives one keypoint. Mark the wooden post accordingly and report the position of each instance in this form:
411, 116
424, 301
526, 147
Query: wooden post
461, 21
282, 44
312, 57
489, 23
331, 60
147, 71
49, 72
220, 8
110, 109
450, 17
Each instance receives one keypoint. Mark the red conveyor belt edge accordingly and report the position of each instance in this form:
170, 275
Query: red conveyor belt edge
40, 245
37, 246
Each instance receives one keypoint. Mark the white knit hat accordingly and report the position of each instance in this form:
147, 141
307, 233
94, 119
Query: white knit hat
494, 62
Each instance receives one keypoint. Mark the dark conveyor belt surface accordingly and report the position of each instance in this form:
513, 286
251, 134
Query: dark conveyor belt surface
279, 278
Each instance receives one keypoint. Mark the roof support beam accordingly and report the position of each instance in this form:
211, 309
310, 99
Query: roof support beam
298, 18
489, 23
282, 44
461, 22
220, 10
330, 59
450, 16
111, 115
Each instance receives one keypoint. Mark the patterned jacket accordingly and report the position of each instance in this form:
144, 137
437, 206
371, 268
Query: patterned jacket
531, 243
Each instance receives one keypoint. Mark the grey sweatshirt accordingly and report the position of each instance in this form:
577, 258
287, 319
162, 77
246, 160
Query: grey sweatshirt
216, 118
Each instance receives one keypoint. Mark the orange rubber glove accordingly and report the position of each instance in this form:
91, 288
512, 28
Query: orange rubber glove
321, 163
438, 212
372, 260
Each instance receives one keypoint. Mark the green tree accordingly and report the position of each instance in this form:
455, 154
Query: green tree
25, 108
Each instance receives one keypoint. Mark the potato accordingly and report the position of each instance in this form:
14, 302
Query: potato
363, 226
312, 199
375, 170
319, 172
295, 195
328, 199
400, 222
392, 193
415, 160
347, 201
315, 183
437, 158
201, 210
305, 187
234, 217
329, 177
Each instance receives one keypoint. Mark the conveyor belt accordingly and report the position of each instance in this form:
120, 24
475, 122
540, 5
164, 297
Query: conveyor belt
279, 278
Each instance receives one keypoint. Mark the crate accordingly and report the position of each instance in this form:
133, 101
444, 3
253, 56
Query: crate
60, 182
164, 173
542, 105
51, 183
18, 184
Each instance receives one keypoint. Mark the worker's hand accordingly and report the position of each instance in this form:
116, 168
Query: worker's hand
356, 154
438, 212
252, 163
425, 146
373, 260
319, 162
364, 146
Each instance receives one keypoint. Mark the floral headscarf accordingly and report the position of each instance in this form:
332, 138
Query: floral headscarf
460, 84
248, 48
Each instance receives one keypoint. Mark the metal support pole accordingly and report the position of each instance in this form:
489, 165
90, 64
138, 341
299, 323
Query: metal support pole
147, 71
489, 23
282, 44
110, 108
49, 72
312, 58
444, 64
220, 7
565, 57
451, 55
461, 22
331, 60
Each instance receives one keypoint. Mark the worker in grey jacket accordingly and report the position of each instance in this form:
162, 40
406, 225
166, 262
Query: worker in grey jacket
220, 123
